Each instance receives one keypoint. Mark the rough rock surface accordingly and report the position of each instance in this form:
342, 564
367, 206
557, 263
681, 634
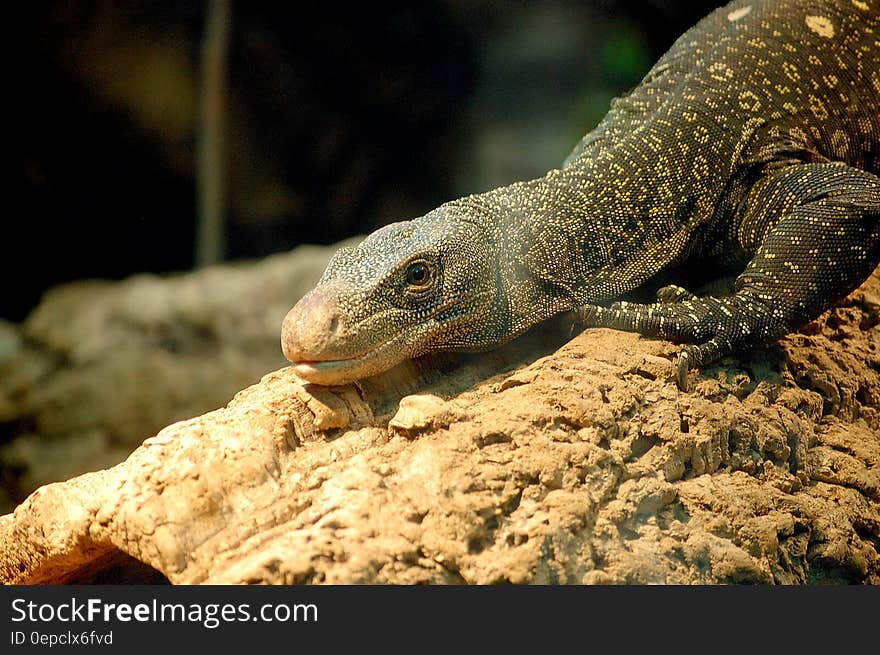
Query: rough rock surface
532, 464
99, 366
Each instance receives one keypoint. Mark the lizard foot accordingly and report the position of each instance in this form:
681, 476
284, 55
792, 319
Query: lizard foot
714, 327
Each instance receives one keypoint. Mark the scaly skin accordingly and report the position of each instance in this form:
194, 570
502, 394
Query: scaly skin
754, 143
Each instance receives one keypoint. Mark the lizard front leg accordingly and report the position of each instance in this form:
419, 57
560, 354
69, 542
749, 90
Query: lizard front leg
817, 232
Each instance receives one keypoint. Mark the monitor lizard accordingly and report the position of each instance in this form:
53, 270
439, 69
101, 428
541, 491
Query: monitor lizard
753, 142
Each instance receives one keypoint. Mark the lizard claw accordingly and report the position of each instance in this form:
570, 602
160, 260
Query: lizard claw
586, 314
683, 366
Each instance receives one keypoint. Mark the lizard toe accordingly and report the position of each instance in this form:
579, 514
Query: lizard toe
673, 293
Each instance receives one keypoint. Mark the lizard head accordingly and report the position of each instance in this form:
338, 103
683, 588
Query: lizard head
408, 289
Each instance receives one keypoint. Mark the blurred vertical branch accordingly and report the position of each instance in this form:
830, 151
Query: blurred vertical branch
211, 171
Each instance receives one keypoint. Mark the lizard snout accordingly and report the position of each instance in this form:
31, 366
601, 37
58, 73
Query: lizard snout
308, 328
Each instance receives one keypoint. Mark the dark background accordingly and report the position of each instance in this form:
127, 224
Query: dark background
341, 118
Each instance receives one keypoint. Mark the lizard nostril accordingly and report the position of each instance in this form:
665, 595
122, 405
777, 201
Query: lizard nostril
334, 325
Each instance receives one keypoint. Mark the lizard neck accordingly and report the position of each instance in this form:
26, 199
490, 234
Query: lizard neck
541, 240
591, 231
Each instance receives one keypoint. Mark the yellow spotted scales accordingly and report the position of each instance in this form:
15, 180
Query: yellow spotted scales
753, 143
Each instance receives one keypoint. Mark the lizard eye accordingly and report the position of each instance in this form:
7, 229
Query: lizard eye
418, 275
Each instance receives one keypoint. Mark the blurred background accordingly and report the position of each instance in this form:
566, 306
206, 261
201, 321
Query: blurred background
149, 136
340, 117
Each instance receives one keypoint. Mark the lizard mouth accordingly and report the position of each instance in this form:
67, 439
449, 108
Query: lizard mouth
345, 370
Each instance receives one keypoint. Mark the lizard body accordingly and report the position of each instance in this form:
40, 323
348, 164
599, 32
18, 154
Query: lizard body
753, 142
